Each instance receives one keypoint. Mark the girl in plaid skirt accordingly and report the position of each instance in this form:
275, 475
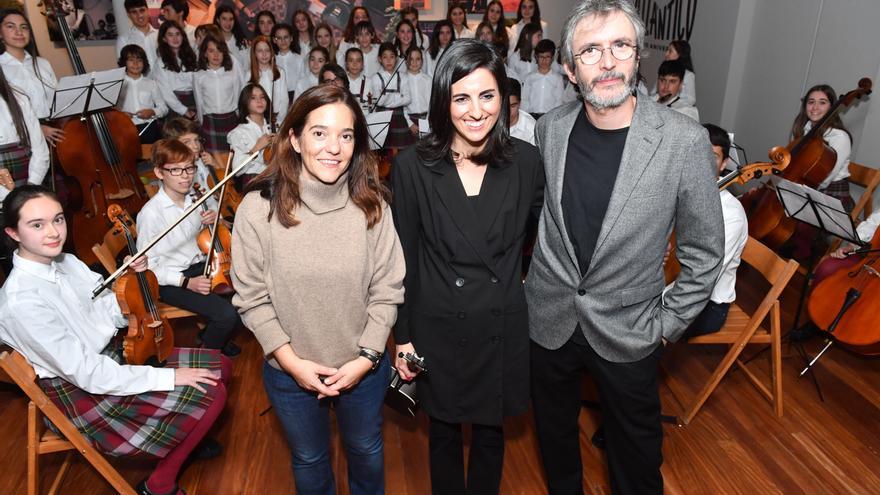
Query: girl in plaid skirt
217, 85
46, 311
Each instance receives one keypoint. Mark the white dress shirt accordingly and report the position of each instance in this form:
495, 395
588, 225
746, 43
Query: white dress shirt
242, 139
169, 82
39, 162
371, 59
277, 91
431, 62
241, 55
524, 128
39, 88
419, 88
359, 86
305, 82
520, 69
216, 91
293, 64
304, 47
513, 33
681, 107
178, 250
47, 314
399, 97
464, 34
736, 233
134, 36
138, 94
868, 228
838, 140
542, 92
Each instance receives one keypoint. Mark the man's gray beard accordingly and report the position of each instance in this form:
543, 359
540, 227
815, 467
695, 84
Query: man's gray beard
601, 103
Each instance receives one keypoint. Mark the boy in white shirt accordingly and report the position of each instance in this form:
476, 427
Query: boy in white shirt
543, 90
141, 32
357, 80
522, 125
176, 259
141, 98
670, 76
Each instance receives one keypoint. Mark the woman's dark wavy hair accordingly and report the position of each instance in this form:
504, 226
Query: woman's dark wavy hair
280, 182
434, 46
245, 97
237, 31
683, 48
797, 128
535, 18
501, 29
295, 34
188, 61
461, 59
524, 42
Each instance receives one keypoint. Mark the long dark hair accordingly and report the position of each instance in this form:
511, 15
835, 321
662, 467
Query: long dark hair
434, 47
295, 32
263, 13
237, 31
683, 49
457, 5
221, 45
280, 182
294, 37
500, 30
255, 65
797, 128
524, 42
417, 35
401, 51
8, 95
185, 53
536, 17
245, 97
349, 33
461, 59
13, 203
30, 48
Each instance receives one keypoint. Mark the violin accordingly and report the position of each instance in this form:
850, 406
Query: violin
149, 334
846, 303
215, 241
232, 196
779, 161
99, 154
811, 162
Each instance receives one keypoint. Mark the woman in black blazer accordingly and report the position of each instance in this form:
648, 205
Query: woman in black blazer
462, 198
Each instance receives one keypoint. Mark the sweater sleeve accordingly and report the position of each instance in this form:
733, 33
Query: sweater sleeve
386, 287
250, 271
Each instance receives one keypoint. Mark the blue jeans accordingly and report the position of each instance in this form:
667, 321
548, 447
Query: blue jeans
306, 424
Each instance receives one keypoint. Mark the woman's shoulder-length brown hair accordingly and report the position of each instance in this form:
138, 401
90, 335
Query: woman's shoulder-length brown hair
280, 182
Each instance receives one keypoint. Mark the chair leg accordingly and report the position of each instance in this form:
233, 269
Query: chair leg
33, 446
56, 485
776, 353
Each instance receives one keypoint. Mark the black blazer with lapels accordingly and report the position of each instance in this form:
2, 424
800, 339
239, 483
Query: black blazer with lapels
464, 309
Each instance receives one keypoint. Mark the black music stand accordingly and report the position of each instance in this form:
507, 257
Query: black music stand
378, 124
826, 214
85, 94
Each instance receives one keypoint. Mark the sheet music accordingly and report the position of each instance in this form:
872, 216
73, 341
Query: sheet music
377, 125
71, 92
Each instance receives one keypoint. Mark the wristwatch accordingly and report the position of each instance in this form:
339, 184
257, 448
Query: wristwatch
374, 356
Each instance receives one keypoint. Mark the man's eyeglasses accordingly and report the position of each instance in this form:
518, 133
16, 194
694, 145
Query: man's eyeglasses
177, 172
620, 50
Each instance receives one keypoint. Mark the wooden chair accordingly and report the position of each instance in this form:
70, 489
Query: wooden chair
742, 328
868, 178
42, 440
107, 253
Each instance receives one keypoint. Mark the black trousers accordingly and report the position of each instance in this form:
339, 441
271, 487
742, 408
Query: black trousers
219, 311
485, 460
630, 414
710, 320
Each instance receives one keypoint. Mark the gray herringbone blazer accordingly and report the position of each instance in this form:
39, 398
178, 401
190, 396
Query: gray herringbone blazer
666, 180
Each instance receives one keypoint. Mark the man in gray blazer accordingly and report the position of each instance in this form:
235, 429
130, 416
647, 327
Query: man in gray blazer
621, 172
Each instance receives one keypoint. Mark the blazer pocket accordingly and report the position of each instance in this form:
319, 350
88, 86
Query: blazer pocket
635, 295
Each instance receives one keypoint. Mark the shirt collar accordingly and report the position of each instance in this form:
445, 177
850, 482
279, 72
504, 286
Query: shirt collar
165, 201
46, 272
6, 57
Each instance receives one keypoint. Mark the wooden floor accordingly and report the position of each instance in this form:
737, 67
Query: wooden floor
734, 445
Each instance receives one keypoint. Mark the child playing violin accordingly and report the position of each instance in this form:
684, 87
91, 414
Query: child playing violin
48, 315
176, 259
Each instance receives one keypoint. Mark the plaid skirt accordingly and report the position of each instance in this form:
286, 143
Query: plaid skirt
399, 135
148, 424
216, 127
188, 98
15, 158
840, 189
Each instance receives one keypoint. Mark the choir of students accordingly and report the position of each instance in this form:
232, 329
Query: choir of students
224, 92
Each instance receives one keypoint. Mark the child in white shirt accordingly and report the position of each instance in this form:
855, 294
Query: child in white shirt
543, 89
522, 125
365, 33
288, 57
318, 56
273, 79
392, 93
141, 97
216, 86
419, 85
252, 134
357, 80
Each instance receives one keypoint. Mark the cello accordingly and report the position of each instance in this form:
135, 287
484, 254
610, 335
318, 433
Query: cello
846, 303
779, 160
811, 162
149, 334
215, 241
99, 154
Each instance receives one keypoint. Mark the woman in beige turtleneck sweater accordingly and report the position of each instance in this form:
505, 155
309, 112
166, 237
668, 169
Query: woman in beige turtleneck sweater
318, 271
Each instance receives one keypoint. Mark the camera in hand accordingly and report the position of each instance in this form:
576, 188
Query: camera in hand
401, 395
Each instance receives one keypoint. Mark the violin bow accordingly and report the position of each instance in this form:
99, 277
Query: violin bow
211, 249
124, 266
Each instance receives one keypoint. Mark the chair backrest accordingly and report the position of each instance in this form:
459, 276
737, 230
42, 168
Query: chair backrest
776, 270
868, 178
108, 251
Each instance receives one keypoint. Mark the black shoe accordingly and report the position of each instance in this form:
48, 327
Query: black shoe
804, 333
598, 439
208, 448
231, 349
142, 489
